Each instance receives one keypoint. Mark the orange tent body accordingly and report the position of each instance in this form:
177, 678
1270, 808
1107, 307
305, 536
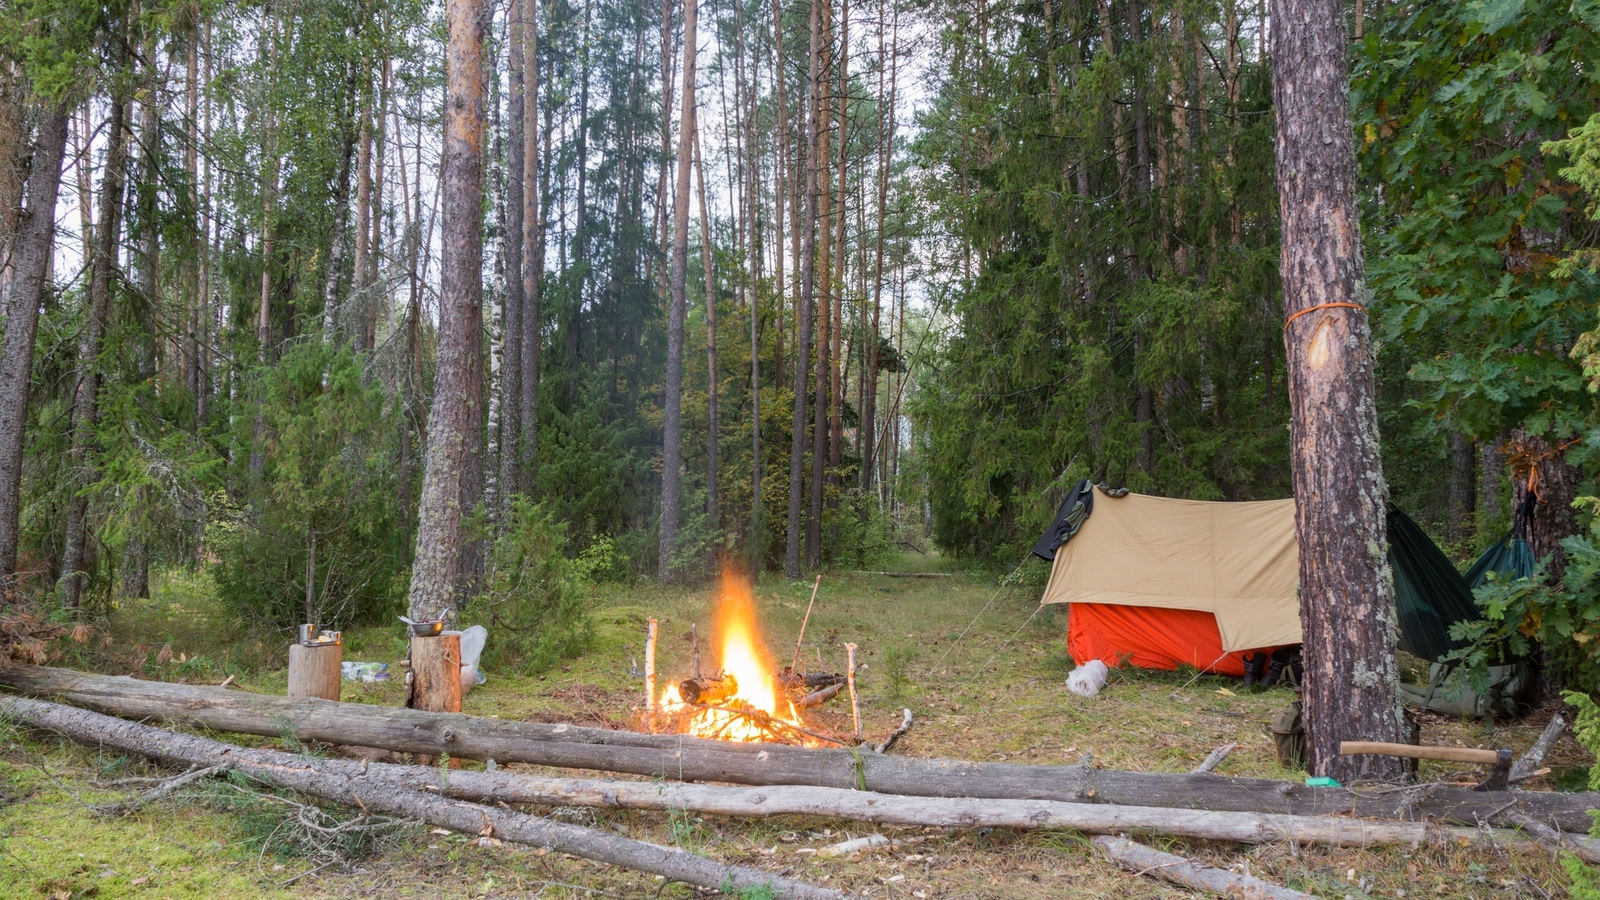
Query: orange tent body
1149, 637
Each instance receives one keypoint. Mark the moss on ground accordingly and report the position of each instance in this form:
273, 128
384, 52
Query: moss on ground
979, 664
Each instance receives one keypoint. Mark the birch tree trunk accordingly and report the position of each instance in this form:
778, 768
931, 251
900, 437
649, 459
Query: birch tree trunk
454, 413
34, 240
670, 458
1346, 589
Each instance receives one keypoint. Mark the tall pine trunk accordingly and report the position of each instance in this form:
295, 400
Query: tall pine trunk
670, 450
531, 318
712, 511
807, 304
1347, 609
511, 338
454, 414
31, 251
85, 402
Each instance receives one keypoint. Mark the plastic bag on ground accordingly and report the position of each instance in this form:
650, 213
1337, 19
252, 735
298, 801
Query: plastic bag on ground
1087, 679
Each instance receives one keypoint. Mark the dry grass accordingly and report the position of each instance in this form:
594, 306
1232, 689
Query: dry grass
996, 694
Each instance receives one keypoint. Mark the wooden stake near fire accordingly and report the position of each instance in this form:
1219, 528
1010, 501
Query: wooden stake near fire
650, 676
850, 676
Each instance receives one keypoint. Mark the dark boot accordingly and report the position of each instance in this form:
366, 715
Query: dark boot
1275, 669
1254, 665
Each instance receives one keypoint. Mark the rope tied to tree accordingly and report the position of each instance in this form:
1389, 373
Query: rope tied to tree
1341, 304
1521, 454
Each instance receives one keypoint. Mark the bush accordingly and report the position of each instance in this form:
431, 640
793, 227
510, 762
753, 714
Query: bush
324, 506
533, 601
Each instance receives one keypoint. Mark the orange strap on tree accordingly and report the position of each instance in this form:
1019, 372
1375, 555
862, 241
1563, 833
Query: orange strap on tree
1290, 321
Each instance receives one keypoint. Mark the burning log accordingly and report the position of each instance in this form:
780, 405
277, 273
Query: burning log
790, 680
682, 758
817, 698
708, 690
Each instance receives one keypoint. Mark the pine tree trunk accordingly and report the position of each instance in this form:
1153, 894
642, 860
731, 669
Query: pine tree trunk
807, 300
30, 259
1463, 470
454, 414
85, 403
670, 450
1347, 606
531, 318
511, 340
712, 512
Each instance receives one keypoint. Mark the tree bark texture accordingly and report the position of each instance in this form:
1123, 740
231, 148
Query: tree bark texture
435, 682
532, 320
1138, 858
454, 412
376, 787
34, 241
676, 309
315, 671
1347, 606
85, 402
807, 302
1538, 468
682, 758
511, 341
712, 512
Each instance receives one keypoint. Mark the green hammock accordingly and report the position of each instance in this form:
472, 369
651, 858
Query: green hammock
1430, 594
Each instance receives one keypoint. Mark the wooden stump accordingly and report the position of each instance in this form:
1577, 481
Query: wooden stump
314, 671
435, 673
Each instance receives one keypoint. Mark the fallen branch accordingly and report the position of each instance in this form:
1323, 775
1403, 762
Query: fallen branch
1530, 761
845, 848
1555, 839
1142, 860
894, 736
166, 787
683, 758
1215, 758
387, 789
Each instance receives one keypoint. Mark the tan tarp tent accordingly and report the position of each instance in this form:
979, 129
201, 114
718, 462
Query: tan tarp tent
1237, 561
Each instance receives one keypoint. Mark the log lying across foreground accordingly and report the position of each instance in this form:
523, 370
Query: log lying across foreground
389, 789
436, 797
683, 758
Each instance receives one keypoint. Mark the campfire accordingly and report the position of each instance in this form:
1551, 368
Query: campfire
746, 697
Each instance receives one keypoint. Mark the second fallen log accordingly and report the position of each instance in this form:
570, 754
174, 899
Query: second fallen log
683, 758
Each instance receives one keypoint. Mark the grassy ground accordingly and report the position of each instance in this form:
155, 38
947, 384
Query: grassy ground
981, 669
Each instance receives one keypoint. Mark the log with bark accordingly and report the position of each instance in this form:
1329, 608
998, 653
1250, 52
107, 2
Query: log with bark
389, 789
684, 758
405, 790
1142, 860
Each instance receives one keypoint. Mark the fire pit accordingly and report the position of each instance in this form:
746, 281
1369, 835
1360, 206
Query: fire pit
747, 697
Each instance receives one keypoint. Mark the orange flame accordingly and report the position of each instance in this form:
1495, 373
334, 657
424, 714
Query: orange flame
743, 657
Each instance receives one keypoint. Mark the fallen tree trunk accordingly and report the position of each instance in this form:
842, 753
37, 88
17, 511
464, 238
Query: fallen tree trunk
388, 789
948, 812
683, 758
1144, 860
419, 792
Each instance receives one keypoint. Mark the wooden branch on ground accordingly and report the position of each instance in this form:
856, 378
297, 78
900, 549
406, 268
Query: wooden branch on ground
1142, 860
1215, 758
894, 737
1530, 761
684, 758
908, 574
163, 789
1555, 839
388, 789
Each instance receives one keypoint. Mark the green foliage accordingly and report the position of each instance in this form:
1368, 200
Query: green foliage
1518, 613
753, 892
324, 506
1452, 104
534, 604
1099, 330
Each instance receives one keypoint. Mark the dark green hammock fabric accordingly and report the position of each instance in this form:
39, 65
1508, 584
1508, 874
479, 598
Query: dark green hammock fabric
1430, 594
1510, 555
